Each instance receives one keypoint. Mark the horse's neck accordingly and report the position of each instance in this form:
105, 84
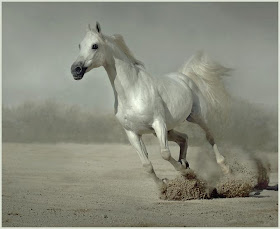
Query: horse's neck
122, 76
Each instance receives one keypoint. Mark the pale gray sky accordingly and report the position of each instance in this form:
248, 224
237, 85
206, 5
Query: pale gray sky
40, 42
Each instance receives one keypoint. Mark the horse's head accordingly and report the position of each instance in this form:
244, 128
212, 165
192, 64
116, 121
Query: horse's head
92, 53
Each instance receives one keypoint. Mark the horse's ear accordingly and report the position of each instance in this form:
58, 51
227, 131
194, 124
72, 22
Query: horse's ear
98, 28
88, 28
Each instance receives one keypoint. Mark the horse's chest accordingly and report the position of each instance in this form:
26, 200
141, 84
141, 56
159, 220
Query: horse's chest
135, 118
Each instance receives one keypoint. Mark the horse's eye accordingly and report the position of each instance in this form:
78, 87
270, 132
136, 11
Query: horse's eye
79, 46
95, 46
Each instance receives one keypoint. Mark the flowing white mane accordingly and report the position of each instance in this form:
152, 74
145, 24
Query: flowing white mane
118, 40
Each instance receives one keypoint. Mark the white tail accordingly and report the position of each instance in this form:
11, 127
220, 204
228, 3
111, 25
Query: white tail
207, 76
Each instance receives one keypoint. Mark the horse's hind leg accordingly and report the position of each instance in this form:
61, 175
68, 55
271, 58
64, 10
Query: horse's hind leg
219, 157
182, 140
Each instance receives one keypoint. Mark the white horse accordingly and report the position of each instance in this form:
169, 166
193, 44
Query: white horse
147, 104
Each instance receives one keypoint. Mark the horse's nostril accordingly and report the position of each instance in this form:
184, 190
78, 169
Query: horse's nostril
78, 69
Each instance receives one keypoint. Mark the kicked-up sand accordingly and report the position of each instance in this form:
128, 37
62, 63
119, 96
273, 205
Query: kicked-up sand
104, 185
248, 172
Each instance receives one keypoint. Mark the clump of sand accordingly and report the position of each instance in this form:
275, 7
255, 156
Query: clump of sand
190, 187
185, 187
231, 187
243, 182
250, 171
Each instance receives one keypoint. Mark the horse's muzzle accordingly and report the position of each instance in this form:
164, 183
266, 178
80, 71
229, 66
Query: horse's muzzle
78, 71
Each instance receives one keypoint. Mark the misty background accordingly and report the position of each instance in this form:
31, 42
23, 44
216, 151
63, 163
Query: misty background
43, 103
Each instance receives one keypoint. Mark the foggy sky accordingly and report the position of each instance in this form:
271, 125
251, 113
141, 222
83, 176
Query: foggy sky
40, 42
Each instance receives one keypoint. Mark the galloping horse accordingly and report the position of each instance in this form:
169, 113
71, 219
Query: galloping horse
147, 104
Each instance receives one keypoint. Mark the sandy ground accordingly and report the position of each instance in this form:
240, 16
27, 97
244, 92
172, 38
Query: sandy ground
104, 185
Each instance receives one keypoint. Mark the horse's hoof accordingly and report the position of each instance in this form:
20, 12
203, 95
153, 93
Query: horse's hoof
184, 172
184, 163
226, 170
162, 185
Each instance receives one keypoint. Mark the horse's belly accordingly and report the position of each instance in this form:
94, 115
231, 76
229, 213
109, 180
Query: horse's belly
178, 105
176, 117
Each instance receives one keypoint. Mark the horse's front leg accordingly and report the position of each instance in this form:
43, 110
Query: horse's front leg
138, 144
161, 132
